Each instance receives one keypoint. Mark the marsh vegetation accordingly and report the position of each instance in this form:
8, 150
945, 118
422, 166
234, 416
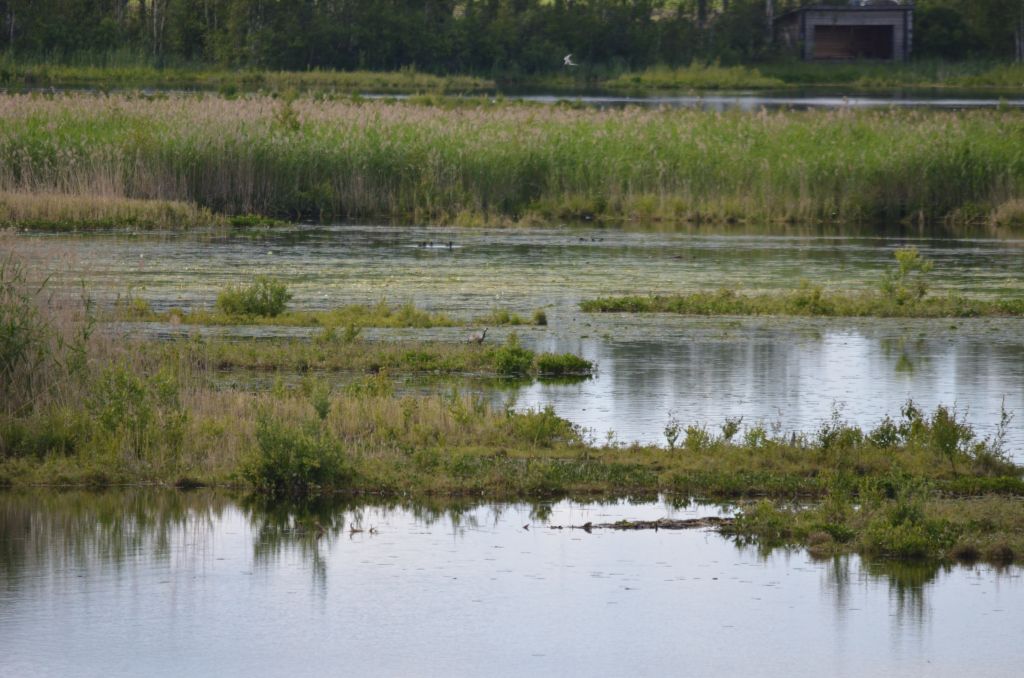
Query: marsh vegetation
264, 302
85, 409
902, 292
324, 160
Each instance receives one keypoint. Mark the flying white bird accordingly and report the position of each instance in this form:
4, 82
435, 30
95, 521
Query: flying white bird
567, 61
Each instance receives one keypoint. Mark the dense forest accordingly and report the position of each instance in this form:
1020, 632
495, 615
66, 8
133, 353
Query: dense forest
490, 37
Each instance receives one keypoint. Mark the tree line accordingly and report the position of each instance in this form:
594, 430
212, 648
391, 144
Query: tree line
490, 37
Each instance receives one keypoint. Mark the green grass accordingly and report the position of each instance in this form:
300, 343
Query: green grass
334, 321
807, 301
696, 76
345, 351
913, 524
781, 75
328, 160
923, 74
15, 74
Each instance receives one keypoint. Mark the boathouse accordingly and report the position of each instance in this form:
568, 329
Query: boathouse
862, 29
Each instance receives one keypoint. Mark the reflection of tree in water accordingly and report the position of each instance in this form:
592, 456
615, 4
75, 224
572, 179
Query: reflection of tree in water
310, 527
838, 579
84, 530
908, 582
300, 526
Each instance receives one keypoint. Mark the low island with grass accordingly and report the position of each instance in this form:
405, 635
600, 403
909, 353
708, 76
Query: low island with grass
265, 302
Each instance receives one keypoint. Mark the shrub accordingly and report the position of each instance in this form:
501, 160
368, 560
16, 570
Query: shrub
886, 435
697, 438
731, 427
140, 417
512, 360
764, 520
672, 430
543, 428
907, 282
295, 460
265, 297
950, 436
555, 364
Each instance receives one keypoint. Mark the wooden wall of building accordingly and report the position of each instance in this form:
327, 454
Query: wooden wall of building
823, 33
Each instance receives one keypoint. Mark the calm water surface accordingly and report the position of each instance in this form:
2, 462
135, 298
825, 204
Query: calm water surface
790, 374
788, 100
147, 583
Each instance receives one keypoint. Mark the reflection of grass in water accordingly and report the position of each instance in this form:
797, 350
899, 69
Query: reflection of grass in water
85, 530
904, 364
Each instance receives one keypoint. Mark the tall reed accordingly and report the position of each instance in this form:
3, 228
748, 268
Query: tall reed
330, 160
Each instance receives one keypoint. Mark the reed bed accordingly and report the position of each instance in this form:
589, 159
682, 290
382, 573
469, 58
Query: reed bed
340, 159
69, 212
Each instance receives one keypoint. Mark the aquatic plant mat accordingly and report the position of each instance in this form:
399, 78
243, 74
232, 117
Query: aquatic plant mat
807, 301
507, 163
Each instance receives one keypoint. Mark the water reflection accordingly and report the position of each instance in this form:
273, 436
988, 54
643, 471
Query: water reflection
161, 583
789, 373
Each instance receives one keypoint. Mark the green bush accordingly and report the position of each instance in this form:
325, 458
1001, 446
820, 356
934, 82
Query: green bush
555, 364
265, 297
697, 439
908, 281
512, 360
141, 418
295, 460
543, 428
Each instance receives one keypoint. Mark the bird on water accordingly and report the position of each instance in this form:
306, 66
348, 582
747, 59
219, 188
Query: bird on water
478, 337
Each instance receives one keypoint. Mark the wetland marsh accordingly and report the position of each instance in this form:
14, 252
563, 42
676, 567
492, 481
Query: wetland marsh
790, 372
370, 452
